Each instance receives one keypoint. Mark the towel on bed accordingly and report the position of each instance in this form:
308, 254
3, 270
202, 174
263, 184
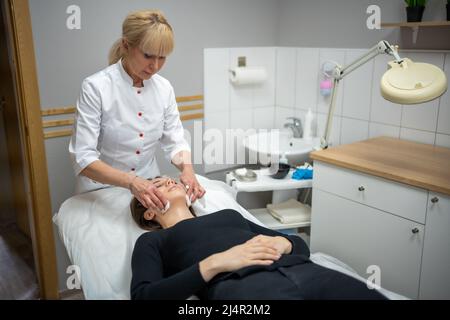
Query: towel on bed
99, 234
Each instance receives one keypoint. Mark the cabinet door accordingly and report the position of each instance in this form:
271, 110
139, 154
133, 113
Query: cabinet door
435, 280
362, 236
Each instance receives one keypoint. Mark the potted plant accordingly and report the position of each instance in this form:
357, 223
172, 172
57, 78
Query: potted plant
414, 10
448, 10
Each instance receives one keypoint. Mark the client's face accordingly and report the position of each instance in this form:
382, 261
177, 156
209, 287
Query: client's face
171, 189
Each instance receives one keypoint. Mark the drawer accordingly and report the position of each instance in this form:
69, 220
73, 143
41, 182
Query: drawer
397, 198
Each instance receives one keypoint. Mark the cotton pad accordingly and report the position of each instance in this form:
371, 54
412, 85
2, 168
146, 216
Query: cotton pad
166, 208
188, 201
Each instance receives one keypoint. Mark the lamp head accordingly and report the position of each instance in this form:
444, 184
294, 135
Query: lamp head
409, 82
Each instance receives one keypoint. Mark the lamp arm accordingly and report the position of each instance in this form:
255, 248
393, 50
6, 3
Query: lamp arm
380, 48
341, 72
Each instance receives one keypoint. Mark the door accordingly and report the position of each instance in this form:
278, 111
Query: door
435, 280
12, 155
25, 140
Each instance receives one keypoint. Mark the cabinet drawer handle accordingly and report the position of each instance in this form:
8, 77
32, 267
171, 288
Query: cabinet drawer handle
434, 199
361, 188
415, 230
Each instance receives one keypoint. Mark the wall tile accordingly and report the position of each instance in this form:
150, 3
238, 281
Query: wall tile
335, 134
301, 114
241, 97
417, 135
307, 78
264, 94
241, 119
263, 117
423, 116
216, 124
281, 113
338, 56
357, 87
216, 83
379, 129
443, 140
382, 110
285, 74
353, 130
444, 105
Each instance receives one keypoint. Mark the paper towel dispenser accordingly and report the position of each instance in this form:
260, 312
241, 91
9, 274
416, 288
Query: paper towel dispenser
248, 75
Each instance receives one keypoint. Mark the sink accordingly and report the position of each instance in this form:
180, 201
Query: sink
265, 144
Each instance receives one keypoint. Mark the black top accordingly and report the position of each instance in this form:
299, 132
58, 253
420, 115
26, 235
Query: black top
165, 263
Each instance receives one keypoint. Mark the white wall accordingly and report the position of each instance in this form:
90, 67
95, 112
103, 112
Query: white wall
342, 24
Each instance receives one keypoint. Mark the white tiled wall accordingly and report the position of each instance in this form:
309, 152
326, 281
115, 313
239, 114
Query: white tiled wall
293, 87
361, 112
238, 107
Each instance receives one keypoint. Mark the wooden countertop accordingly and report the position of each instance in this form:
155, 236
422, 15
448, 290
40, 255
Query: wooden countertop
421, 165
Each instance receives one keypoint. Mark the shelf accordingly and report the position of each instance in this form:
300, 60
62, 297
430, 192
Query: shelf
265, 182
415, 24
263, 215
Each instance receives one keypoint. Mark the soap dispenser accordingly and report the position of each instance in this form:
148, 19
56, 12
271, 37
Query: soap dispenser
283, 158
307, 131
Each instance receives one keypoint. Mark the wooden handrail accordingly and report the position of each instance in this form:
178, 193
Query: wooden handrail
189, 98
191, 107
57, 123
57, 111
72, 109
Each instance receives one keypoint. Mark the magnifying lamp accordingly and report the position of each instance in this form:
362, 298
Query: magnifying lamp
405, 81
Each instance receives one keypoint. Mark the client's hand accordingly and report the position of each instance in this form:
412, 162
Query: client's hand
281, 244
237, 257
147, 193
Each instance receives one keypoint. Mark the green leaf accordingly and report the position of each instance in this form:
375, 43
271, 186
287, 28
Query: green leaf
417, 3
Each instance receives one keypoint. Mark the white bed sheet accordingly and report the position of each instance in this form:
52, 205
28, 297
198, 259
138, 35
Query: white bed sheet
99, 235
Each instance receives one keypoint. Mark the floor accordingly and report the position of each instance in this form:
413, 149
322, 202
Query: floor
17, 276
72, 295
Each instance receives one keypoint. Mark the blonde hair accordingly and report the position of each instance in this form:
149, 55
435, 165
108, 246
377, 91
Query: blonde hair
147, 30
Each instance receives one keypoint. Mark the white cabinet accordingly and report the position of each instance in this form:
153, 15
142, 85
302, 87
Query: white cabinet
364, 220
435, 278
362, 236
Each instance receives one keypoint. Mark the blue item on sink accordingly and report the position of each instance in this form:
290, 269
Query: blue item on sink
302, 174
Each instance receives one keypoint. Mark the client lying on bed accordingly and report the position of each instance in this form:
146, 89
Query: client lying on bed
224, 256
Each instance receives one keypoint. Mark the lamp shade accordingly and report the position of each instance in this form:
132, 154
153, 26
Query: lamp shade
412, 83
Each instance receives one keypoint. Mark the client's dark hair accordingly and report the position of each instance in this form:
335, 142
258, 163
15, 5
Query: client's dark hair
138, 210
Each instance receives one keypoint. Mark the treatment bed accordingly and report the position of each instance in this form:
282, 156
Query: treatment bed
99, 235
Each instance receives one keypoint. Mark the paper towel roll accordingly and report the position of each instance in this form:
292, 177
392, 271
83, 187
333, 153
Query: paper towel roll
248, 75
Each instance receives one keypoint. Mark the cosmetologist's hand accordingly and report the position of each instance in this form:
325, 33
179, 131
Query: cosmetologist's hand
147, 193
194, 189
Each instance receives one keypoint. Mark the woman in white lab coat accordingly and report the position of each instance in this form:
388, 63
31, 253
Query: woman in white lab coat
125, 111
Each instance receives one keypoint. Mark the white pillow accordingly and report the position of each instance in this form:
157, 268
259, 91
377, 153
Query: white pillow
219, 196
99, 234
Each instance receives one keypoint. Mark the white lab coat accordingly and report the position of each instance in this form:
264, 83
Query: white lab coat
122, 125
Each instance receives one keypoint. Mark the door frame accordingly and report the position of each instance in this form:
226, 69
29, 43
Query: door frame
23, 68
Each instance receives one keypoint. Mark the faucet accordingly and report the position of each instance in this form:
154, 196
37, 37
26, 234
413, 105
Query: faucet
295, 126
